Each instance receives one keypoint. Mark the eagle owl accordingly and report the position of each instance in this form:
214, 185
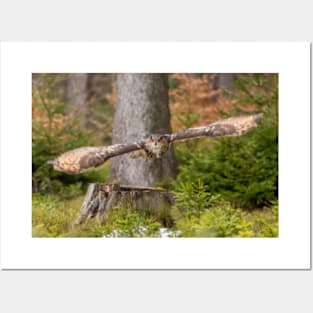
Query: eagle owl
154, 146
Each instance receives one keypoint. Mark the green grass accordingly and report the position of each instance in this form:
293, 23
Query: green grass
223, 220
53, 217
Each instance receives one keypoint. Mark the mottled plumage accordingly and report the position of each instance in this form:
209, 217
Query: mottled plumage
154, 146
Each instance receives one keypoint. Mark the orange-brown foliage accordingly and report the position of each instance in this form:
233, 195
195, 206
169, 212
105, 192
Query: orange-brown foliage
51, 124
195, 94
111, 96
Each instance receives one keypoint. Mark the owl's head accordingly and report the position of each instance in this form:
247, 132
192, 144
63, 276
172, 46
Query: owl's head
156, 145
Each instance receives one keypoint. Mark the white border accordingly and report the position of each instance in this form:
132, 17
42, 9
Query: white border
290, 251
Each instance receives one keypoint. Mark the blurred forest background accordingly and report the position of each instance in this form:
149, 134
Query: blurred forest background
225, 187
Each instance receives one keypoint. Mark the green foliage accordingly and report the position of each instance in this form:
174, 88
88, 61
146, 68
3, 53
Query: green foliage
127, 222
263, 222
194, 197
219, 221
258, 89
53, 132
218, 218
226, 221
54, 217
243, 170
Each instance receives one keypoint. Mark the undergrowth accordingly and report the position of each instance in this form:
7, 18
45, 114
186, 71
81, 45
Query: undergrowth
196, 215
199, 213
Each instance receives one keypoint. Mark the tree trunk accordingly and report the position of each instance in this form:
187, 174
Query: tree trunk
141, 110
76, 95
100, 199
222, 81
226, 81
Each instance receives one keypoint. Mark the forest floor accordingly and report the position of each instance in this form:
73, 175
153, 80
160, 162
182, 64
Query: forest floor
54, 217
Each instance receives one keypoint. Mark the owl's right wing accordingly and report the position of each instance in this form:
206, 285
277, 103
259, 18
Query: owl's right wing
82, 159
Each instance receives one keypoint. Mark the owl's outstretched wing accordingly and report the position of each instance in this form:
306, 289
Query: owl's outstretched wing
234, 126
80, 160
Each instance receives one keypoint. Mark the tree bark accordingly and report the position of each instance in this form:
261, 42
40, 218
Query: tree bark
142, 109
76, 95
100, 199
222, 81
226, 81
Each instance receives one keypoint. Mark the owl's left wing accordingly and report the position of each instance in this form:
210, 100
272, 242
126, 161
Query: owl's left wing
234, 126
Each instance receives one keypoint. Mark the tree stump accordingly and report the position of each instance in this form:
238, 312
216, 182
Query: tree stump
100, 199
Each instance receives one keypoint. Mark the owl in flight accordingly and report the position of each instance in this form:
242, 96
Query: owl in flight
154, 146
